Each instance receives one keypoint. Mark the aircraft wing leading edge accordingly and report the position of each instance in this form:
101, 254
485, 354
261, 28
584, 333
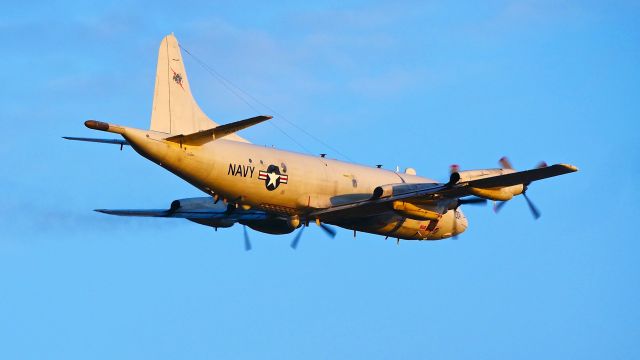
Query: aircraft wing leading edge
523, 177
202, 208
188, 214
451, 190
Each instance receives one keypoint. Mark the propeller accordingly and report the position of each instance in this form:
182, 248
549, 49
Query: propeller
453, 170
506, 164
534, 211
472, 201
294, 243
498, 205
326, 228
247, 243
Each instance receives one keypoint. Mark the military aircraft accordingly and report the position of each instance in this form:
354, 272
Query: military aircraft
275, 191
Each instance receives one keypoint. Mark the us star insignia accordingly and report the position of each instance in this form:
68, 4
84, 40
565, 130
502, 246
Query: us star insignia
272, 177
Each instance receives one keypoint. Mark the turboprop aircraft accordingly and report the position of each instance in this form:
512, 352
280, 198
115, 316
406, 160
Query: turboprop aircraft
275, 191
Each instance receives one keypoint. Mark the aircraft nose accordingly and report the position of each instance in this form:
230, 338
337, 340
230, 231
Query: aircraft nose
464, 223
461, 222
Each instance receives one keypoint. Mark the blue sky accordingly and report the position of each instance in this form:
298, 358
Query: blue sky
420, 84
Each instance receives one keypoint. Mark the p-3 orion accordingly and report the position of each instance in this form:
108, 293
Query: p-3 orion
275, 191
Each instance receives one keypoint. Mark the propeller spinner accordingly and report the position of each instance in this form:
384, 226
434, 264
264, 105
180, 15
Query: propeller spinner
506, 164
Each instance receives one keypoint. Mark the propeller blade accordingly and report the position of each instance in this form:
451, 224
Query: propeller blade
472, 201
294, 243
247, 243
328, 229
505, 163
498, 205
534, 210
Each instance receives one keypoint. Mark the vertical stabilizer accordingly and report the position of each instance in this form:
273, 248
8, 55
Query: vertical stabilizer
175, 111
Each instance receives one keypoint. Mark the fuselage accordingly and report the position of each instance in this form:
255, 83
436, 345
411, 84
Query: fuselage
288, 183
276, 191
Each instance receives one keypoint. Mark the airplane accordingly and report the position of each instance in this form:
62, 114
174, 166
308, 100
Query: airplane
276, 192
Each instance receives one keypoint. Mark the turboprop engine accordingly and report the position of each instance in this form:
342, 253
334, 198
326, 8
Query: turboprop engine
271, 225
274, 226
202, 204
497, 193
388, 190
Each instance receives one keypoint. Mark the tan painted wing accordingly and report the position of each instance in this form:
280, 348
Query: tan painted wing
523, 177
434, 192
193, 208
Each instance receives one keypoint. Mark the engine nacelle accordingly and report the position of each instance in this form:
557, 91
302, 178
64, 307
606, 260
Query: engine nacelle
384, 191
468, 175
198, 203
498, 194
274, 226
216, 223
202, 204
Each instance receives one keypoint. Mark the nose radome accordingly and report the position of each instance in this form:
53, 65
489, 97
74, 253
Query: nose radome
464, 222
461, 223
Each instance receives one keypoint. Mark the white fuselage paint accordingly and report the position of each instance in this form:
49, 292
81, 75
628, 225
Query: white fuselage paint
233, 169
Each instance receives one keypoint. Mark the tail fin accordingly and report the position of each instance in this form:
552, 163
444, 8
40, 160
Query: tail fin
175, 111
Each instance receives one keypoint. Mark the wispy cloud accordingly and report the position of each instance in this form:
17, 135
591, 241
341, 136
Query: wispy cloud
514, 17
389, 83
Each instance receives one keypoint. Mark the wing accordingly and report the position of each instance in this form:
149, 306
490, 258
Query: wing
201, 208
523, 177
382, 196
377, 205
197, 214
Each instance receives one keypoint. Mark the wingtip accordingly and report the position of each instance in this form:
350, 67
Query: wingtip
569, 167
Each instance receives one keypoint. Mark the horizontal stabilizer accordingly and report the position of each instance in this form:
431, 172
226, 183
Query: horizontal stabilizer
104, 141
523, 177
144, 213
205, 136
